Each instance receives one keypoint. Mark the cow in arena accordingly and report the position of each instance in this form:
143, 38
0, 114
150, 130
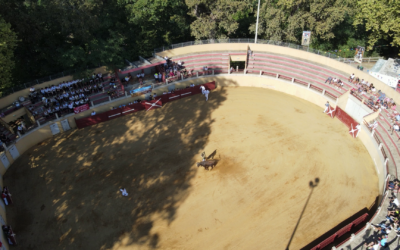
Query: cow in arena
207, 164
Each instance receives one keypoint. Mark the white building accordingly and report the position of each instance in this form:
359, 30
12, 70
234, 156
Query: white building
387, 71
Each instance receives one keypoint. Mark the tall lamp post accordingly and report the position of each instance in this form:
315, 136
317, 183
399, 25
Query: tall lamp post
312, 185
258, 13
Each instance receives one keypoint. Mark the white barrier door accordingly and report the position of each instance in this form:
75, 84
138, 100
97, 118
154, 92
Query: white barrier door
65, 125
54, 128
14, 152
5, 160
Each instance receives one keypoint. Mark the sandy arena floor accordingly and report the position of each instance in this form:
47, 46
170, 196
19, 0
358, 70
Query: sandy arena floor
270, 145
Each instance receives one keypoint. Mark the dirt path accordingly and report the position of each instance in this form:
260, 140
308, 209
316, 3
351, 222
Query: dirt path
270, 145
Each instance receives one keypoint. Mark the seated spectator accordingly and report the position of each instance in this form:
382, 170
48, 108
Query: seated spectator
142, 75
156, 77
93, 113
351, 78
373, 245
373, 125
393, 201
395, 128
100, 77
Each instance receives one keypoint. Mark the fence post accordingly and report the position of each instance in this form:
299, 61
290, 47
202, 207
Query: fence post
309, 85
109, 98
380, 146
19, 134
369, 59
277, 76
38, 123
372, 134
182, 77
166, 81
329, 54
213, 72
126, 93
260, 72
386, 160
244, 72
292, 79
197, 74
308, 48
323, 92
92, 103
56, 116
318, 52
237, 68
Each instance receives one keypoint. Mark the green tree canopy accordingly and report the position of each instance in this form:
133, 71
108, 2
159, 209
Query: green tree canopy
381, 18
216, 18
8, 41
284, 20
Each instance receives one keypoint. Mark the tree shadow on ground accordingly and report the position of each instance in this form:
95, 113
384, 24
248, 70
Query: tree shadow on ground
66, 189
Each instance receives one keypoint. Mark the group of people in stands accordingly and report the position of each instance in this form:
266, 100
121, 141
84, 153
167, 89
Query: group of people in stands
335, 82
64, 97
391, 224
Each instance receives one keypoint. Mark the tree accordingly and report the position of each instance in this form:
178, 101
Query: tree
284, 20
381, 18
8, 41
216, 18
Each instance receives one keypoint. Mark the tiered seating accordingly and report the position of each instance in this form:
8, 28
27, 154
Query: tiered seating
196, 62
274, 64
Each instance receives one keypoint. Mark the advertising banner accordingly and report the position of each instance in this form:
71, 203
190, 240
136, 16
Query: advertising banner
306, 38
81, 108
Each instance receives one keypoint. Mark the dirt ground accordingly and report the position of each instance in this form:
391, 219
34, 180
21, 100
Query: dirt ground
269, 145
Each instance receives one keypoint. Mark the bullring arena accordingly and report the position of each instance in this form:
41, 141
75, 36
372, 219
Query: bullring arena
267, 133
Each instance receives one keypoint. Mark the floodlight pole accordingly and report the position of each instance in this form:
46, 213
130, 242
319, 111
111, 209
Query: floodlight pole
258, 13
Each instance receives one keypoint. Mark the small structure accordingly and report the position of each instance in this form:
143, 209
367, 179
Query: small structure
387, 71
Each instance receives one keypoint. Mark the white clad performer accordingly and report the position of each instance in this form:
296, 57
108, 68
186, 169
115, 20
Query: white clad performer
326, 107
206, 92
203, 89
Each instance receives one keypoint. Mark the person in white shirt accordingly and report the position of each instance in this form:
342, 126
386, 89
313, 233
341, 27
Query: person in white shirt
206, 92
326, 107
202, 88
159, 77
93, 113
395, 128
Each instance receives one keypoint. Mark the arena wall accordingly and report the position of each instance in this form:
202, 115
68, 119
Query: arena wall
303, 55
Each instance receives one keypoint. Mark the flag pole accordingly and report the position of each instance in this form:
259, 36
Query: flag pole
258, 13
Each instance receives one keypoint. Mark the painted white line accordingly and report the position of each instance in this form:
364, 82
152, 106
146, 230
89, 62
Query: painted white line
128, 111
113, 115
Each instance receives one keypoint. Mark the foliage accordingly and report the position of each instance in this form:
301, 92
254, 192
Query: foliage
216, 18
58, 35
381, 18
284, 20
8, 41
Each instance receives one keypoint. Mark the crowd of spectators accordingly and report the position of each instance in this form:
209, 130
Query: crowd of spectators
391, 224
63, 98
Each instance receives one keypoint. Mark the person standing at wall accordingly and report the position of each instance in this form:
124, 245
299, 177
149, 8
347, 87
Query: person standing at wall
326, 107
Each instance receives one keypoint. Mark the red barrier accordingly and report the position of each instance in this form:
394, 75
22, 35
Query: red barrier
345, 118
173, 97
113, 113
185, 92
148, 105
131, 108
91, 120
209, 85
153, 104
164, 98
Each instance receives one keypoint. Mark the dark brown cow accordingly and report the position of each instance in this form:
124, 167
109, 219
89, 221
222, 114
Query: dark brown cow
207, 164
